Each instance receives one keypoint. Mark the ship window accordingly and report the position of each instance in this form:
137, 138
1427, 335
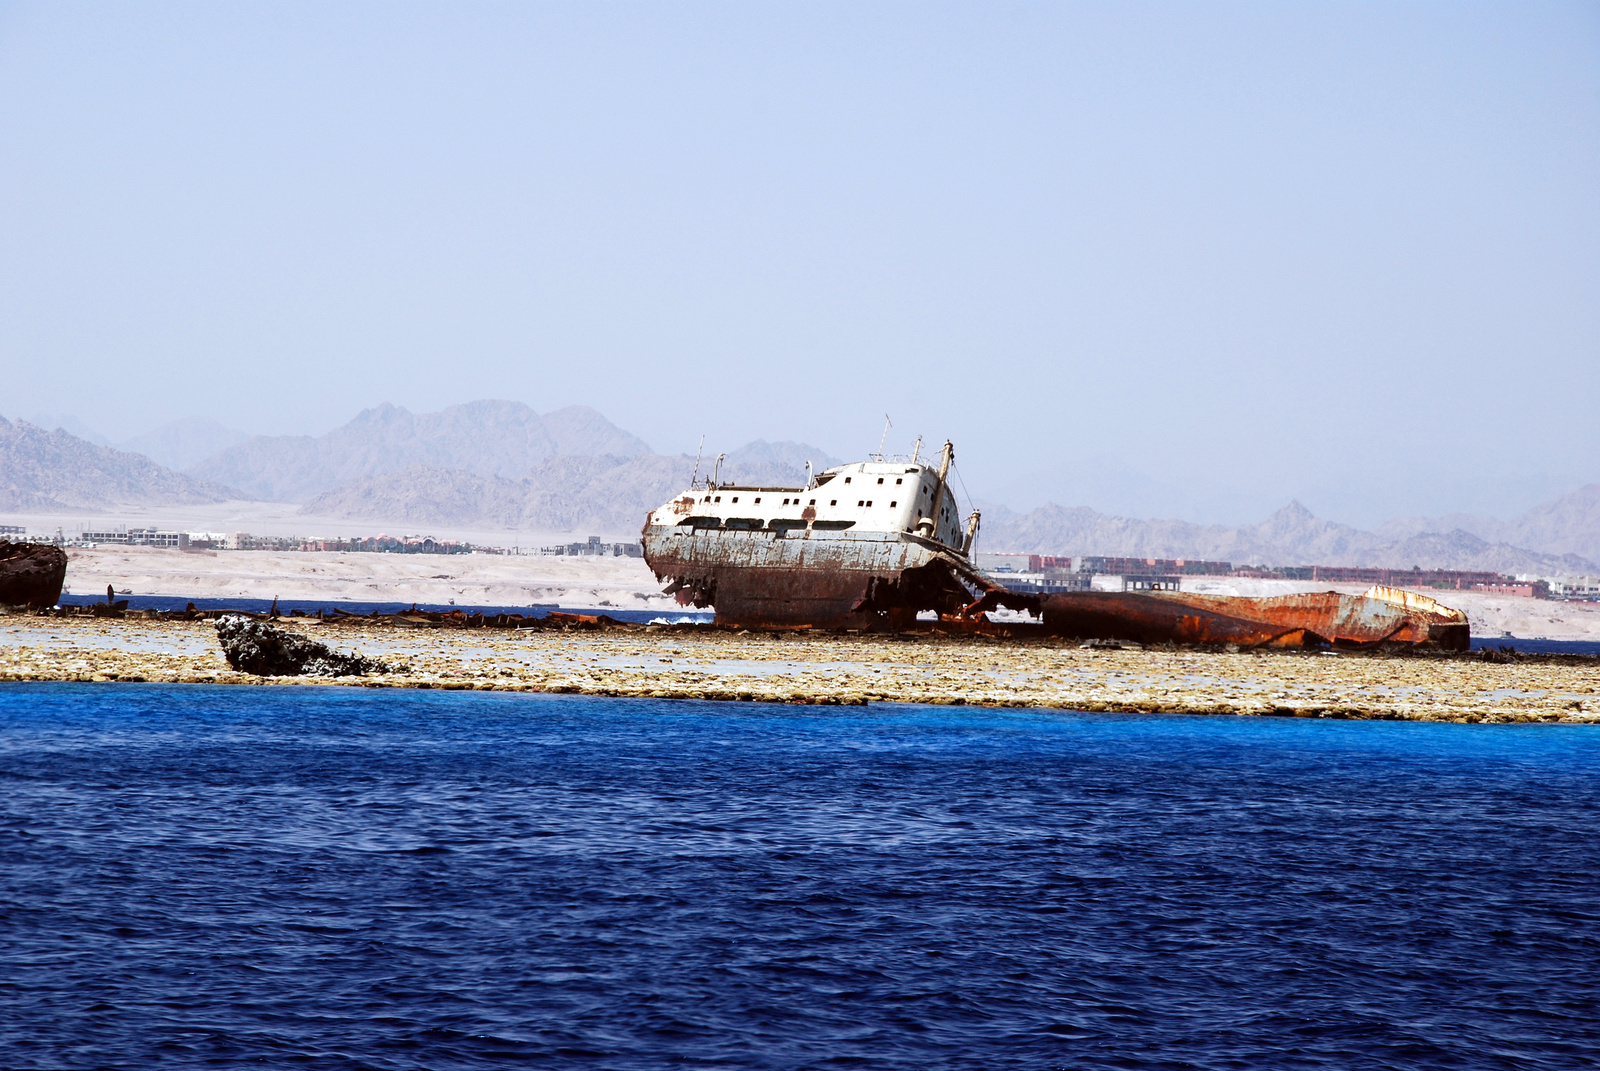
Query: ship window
880, 479
813, 502
847, 479
892, 505
719, 498
758, 501
735, 498
860, 502
898, 481
869, 503
833, 502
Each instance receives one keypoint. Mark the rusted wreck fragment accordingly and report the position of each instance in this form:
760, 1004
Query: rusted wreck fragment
31, 574
1381, 616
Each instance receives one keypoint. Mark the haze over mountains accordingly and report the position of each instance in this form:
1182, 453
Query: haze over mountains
485, 438
50, 470
1291, 536
501, 463
183, 443
598, 494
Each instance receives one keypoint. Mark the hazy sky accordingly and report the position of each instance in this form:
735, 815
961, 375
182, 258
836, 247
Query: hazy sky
1169, 259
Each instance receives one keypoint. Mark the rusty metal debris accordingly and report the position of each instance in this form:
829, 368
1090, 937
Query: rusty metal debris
1381, 616
31, 574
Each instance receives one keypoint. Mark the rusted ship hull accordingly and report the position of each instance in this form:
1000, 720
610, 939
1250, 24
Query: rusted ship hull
1312, 620
829, 580
868, 544
31, 574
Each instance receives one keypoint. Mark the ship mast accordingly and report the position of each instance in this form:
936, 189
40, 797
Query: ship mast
972, 533
938, 495
696, 477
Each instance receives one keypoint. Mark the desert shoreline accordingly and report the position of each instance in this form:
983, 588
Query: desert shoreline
699, 663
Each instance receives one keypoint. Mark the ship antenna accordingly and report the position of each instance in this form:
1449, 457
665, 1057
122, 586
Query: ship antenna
916, 450
716, 473
693, 479
883, 438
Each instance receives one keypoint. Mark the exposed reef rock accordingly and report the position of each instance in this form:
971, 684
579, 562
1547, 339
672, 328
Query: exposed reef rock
259, 648
31, 574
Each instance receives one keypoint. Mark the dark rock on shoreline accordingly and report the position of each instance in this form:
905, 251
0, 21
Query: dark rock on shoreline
259, 648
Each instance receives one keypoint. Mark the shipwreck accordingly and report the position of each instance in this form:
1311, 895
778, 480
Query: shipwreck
881, 545
867, 545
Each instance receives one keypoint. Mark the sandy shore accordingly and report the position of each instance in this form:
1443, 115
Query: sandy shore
465, 579
797, 668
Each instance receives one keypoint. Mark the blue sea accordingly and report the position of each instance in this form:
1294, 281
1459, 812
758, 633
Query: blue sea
340, 877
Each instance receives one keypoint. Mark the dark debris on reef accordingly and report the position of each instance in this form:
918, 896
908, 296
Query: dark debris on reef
259, 648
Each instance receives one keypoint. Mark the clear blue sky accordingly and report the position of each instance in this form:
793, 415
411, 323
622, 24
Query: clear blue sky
1167, 259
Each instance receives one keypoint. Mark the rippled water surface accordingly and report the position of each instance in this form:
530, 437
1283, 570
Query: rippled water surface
342, 877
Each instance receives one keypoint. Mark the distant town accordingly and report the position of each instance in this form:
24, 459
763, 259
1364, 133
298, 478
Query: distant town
1046, 574
1037, 573
125, 536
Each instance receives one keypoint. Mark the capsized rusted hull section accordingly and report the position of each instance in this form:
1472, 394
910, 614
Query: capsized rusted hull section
832, 580
1379, 617
31, 574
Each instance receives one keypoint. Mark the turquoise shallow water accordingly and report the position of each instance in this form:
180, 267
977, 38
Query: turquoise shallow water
351, 878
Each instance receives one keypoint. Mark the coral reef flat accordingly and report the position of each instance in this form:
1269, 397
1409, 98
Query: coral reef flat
800, 667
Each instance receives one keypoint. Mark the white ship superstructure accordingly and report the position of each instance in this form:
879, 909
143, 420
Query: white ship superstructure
864, 544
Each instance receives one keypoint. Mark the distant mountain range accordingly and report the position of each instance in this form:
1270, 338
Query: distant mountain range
1567, 525
500, 463
1291, 536
51, 470
486, 438
592, 494
183, 443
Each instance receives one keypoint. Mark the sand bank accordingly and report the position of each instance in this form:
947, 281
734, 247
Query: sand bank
465, 579
797, 668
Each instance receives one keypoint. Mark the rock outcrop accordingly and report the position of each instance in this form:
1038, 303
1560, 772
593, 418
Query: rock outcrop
257, 647
31, 574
